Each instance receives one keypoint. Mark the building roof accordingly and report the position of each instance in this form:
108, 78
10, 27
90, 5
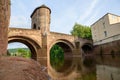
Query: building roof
104, 16
42, 6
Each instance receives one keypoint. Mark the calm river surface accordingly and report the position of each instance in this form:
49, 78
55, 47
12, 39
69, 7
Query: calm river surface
97, 67
108, 67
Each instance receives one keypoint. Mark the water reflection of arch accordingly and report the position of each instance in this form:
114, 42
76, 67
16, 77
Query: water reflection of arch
31, 44
68, 48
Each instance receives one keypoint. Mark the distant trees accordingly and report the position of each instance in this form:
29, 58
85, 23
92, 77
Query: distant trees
21, 52
24, 53
81, 31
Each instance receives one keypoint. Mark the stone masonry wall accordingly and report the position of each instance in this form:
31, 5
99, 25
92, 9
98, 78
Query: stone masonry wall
108, 48
4, 23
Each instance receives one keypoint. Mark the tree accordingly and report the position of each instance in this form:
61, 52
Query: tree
81, 31
23, 53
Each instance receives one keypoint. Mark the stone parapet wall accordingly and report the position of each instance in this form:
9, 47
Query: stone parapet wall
28, 33
57, 36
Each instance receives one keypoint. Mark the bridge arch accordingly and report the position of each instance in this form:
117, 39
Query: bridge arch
68, 43
87, 47
31, 44
68, 48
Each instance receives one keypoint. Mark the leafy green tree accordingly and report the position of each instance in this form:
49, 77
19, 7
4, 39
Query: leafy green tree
81, 31
56, 57
23, 53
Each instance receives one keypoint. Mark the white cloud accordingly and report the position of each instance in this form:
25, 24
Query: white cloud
93, 17
88, 11
19, 16
65, 19
20, 12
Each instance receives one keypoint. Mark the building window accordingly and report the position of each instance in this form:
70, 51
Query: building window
105, 33
104, 25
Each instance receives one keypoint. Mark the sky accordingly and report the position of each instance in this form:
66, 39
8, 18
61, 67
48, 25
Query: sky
65, 13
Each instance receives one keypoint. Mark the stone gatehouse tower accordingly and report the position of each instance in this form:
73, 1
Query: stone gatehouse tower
41, 19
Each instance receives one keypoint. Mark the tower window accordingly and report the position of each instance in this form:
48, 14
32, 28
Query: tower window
105, 33
34, 26
38, 28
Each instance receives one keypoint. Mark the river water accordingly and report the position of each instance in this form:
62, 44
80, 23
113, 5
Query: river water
95, 67
108, 67
105, 67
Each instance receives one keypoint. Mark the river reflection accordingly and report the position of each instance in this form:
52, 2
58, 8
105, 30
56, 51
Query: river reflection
94, 67
105, 72
106, 67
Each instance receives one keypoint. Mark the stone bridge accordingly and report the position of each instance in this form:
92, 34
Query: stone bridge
40, 45
40, 40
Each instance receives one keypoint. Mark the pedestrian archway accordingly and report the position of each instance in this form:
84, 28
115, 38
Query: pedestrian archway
26, 41
18, 49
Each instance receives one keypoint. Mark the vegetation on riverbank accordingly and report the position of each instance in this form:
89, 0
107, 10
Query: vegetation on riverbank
82, 31
21, 52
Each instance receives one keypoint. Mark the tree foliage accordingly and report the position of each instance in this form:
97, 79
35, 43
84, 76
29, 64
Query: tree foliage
21, 52
56, 57
81, 31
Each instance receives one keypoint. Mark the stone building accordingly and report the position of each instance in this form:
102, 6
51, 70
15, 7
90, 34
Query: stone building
106, 29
